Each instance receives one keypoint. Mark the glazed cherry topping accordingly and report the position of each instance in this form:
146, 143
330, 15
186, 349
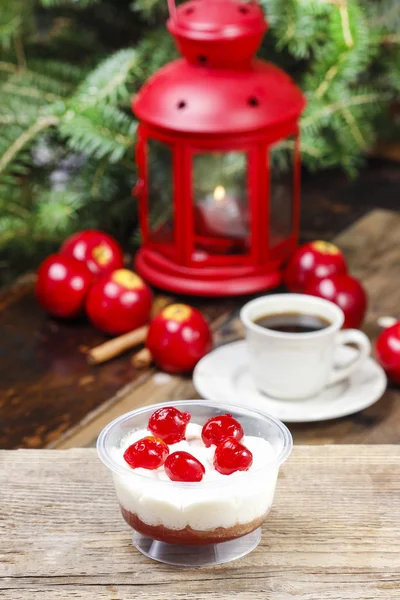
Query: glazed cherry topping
169, 424
147, 453
230, 456
182, 466
217, 429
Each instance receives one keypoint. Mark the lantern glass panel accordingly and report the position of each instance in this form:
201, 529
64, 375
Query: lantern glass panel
160, 193
281, 161
222, 216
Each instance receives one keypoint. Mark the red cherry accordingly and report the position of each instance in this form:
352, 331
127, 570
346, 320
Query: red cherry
314, 260
178, 338
62, 285
231, 456
169, 424
182, 466
217, 429
119, 302
99, 251
345, 291
388, 352
147, 453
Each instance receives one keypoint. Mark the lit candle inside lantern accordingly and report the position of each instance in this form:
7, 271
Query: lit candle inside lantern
222, 215
219, 193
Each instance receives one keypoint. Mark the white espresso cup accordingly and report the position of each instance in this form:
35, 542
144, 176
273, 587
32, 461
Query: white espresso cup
298, 365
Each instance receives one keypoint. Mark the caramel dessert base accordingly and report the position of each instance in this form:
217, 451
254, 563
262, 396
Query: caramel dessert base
189, 536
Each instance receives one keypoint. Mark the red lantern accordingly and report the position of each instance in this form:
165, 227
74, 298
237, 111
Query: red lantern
215, 218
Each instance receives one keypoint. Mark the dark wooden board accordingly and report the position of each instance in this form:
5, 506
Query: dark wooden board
46, 384
330, 202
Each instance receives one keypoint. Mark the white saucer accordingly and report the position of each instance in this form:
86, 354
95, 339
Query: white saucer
223, 376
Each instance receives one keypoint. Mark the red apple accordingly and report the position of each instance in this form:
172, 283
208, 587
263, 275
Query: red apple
345, 291
62, 285
178, 338
314, 260
99, 251
119, 302
388, 352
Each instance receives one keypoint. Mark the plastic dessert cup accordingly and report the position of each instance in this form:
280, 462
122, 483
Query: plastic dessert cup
196, 524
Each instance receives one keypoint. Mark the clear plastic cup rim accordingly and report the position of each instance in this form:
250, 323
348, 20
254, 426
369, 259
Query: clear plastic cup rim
109, 462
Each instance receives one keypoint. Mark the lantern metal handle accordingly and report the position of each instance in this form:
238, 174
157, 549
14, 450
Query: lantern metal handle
172, 9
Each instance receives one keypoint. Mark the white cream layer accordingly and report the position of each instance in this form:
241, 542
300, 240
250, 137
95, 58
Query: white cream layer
234, 499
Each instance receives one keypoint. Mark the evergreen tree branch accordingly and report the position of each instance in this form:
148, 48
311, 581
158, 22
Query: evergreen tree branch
388, 16
305, 148
355, 130
107, 82
13, 120
310, 150
99, 131
16, 209
8, 67
98, 176
344, 16
80, 4
341, 105
30, 92
20, 52
25, 138
330, 76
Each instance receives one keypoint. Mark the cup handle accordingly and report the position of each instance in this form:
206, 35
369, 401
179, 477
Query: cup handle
359, 339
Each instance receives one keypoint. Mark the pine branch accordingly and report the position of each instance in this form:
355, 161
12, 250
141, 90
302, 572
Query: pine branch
56, 210
99, 131
13, 111
108, 82
6, 67
328, 110
80, 4
12, 228
384, 14
31, 92
345, 21
148, 7
10, 22
25, 138
11, 206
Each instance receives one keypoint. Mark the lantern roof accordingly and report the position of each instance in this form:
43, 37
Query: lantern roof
189, 98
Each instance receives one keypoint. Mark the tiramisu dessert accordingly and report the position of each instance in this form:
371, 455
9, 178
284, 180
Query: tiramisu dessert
187, 482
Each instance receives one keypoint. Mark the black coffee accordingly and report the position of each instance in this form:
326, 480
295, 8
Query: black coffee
292, 322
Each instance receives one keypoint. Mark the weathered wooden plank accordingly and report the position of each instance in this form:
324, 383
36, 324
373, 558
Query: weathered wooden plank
312, 586
332, 534
154, 387
46, 384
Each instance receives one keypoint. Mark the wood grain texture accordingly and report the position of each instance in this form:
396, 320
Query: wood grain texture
333, 533
47, 387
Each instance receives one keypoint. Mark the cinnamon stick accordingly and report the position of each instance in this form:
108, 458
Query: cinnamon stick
142, 359
117, 346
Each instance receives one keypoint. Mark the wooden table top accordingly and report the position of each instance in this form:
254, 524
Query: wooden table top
51, 397
333, 533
